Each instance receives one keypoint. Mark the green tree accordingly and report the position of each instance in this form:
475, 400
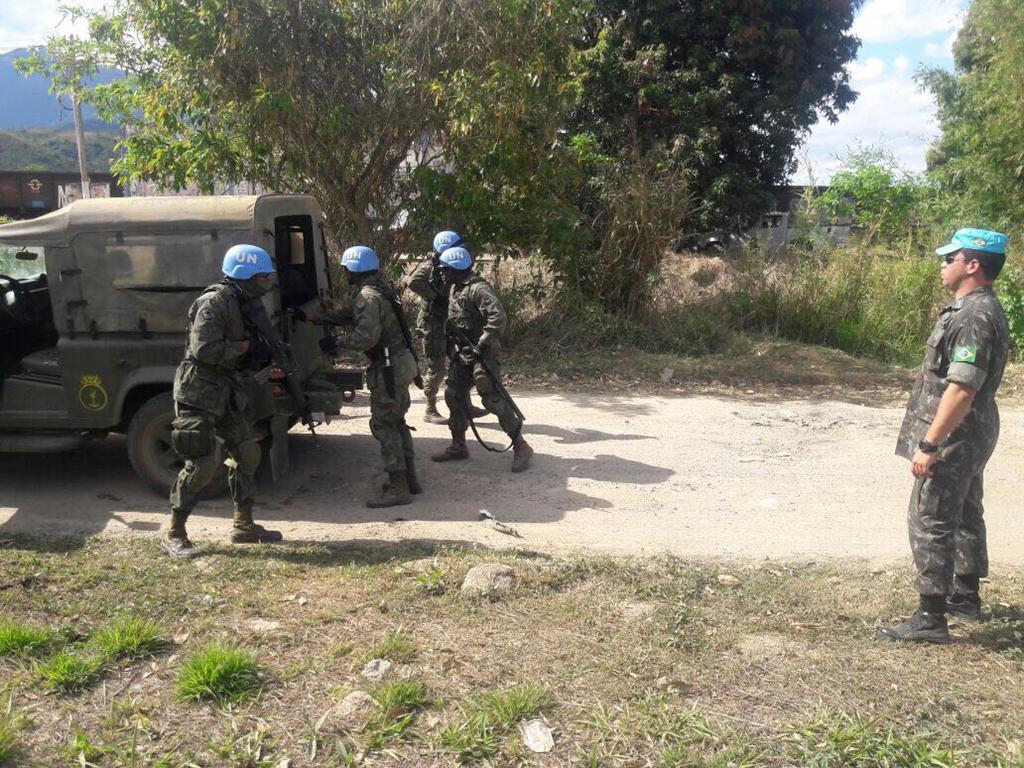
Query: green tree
329, 97
978, 161
729, 86
872, 191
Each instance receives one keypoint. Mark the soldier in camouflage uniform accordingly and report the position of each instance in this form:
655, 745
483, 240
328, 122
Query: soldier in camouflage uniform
426, 283
210, 400
949, 432
379, 332
475, 309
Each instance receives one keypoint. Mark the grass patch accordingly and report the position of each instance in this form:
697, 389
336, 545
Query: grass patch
478, 735
394, 646
69, 671
834, 738
12, 723
129, 638
398, 703
219, 672
23, 640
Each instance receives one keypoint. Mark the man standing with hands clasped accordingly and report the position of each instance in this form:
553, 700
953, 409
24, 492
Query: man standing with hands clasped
949, 432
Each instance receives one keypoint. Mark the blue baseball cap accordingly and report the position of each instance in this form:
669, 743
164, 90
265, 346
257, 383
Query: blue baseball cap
977, 240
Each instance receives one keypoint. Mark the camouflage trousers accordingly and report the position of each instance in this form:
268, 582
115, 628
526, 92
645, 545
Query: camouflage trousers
434, 344
243, 452
387, 421
461, 378
946, 519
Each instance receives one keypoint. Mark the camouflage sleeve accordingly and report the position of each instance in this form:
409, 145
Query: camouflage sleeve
421, 282
338, 315
493, 314
971, 348
368, 323
208, 336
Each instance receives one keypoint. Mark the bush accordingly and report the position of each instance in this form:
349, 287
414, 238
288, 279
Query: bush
858, 301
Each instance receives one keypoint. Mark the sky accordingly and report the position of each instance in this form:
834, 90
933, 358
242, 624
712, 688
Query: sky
898, 36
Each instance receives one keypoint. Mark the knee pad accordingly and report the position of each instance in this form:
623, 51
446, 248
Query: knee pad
192, 437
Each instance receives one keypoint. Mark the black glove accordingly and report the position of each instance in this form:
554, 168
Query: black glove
435, 258
259, 350
329, 344
470, 354
300, 314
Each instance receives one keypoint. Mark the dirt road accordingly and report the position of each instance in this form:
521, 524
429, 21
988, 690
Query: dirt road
694, 476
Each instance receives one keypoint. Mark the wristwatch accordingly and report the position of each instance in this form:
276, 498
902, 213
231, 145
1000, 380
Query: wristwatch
926, 446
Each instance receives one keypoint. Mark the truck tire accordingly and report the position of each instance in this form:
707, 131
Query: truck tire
153, 458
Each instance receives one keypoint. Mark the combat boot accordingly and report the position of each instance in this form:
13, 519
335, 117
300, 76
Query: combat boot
432, 415
457, 451
176, 542
245, 531
395, 493
521, 453
964, 605
410, 480
922, 627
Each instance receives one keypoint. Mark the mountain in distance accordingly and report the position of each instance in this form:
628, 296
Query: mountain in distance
49, 149
26, 102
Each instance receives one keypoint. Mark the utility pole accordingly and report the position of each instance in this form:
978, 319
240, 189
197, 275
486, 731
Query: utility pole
76, 108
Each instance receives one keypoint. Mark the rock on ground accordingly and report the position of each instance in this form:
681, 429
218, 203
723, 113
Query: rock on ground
488, 579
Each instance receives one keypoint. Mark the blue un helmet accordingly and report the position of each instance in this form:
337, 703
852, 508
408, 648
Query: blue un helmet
360, 258
457, 258
445, 240
244, 262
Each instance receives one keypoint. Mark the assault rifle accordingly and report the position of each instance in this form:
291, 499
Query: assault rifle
463, 342
258, 323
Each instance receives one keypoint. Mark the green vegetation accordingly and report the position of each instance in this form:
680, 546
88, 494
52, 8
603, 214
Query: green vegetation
128, 638
23, 640
70, 671
42, 149
584, 132
219, 672
12, 723
394, 646
479, 733
704, 675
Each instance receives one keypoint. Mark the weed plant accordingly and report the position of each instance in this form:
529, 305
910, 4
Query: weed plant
219, 672
394, 646
12, 723
129, 638
69, 671
478, 735
398, 703
23, 640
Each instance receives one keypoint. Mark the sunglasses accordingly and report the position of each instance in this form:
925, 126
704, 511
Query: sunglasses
949, 258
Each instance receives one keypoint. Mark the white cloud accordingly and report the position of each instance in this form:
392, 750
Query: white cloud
30, 22
891, 113
869, 70
901, 64
892, 21
943, 50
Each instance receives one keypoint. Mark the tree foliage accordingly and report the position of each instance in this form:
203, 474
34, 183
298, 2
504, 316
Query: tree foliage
872, 191
586, 131
729, 86
978, 161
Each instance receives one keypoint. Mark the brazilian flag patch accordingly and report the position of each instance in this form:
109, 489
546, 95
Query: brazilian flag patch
965, 354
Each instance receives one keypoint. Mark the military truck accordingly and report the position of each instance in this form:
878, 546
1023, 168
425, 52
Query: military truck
91, 337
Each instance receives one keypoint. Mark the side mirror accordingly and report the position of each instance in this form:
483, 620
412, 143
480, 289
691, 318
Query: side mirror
26, 256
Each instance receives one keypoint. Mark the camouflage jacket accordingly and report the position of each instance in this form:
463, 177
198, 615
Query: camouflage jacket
476, 309
376, 327
426, 283
969, 346
209, 374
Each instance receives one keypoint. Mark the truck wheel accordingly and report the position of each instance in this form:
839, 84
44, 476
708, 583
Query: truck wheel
153, 458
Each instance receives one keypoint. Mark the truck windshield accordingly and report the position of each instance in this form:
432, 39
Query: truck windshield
17, 268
